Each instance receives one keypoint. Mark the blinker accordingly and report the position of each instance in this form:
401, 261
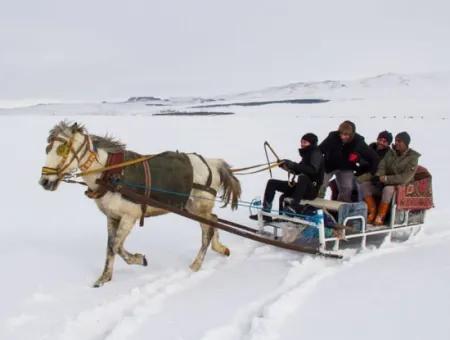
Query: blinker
63, 150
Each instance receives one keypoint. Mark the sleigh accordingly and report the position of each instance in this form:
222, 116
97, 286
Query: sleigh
328, 227
333, 225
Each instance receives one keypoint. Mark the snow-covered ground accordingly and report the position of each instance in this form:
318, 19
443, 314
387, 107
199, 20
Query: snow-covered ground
53, 243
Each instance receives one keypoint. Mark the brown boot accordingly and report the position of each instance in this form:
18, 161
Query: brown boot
383, 209
371, 208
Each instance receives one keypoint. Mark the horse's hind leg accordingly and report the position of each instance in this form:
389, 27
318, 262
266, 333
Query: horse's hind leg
207, 234
109, 263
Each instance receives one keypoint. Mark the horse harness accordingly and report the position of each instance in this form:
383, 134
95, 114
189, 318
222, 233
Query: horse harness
64, 150
118, 177
114, 170
207, 186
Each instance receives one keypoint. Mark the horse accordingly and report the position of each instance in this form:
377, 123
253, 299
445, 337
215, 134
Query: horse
71, 148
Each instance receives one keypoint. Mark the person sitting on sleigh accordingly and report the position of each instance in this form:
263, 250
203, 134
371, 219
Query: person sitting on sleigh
398, 166
309, 173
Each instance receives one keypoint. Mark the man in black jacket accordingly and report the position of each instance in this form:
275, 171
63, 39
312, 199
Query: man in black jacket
310, 174
346, 155
383, 143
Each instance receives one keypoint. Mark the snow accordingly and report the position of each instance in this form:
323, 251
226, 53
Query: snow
54, 242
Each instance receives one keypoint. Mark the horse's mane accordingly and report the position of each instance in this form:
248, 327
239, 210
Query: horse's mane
66, 129
108, 143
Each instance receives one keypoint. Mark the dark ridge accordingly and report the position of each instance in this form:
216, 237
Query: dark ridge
195, 113
155, 104
143, 99
287, 101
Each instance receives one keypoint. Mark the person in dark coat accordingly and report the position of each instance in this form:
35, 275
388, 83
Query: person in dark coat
381, 147
309, 173
346, 155
383, 143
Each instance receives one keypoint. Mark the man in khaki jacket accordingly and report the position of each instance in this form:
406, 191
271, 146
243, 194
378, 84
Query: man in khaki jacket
398, 166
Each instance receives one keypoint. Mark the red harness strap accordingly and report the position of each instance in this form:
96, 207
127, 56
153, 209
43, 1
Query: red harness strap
113, 158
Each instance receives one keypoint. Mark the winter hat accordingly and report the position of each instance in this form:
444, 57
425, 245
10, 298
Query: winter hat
404, 137
310, 137
347, 127
386, 135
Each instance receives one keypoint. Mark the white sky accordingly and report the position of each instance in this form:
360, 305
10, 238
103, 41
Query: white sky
95, 50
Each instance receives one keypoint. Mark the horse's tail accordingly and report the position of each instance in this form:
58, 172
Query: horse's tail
231, 188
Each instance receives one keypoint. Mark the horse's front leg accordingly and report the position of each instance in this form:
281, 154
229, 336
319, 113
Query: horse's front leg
131, 258
125, 227
216, 245
109, 263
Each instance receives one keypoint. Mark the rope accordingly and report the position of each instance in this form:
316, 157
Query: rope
271, 166
252, 167
115, 166
241, 203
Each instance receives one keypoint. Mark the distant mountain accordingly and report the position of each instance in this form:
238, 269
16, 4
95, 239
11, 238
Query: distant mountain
430, 88
388, 84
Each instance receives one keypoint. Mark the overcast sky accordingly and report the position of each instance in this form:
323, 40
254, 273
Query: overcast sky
95, 50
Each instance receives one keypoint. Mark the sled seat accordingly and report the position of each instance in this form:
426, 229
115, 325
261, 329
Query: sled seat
340, 210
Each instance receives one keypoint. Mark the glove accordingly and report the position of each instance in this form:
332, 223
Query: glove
286, 163
353, 157
283, 163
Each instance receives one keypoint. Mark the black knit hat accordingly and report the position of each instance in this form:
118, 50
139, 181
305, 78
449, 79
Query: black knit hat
386, 135
310, 137
404, 137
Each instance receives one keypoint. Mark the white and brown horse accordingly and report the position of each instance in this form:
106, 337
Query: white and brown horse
70, 148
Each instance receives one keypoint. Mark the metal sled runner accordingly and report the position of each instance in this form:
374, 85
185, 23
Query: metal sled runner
348, 225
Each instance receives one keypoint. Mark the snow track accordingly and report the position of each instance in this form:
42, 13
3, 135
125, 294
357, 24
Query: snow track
120, 316
264, 318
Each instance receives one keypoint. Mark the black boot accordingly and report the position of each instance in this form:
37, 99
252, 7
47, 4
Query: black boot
267, 209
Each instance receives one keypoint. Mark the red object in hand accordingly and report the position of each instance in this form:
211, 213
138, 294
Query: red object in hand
353, 157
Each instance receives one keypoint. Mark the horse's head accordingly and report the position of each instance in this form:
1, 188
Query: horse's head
67, 146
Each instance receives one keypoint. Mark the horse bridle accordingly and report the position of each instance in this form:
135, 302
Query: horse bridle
64, 150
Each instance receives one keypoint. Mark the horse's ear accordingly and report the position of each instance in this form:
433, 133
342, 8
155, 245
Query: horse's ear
74, 127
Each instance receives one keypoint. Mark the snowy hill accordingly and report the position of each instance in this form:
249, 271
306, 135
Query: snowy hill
389, 83
386, 94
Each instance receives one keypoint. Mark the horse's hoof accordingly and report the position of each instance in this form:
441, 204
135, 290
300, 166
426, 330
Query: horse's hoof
144, 262
195, 267
101, 281
98, 284
227, 252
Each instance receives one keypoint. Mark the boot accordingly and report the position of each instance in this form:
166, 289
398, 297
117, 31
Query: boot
267, 207
383, 209
371, 208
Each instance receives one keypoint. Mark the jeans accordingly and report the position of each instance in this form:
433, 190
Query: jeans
385, 191
345, 181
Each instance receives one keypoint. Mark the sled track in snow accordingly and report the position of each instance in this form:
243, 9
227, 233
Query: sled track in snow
264, 318
123, 316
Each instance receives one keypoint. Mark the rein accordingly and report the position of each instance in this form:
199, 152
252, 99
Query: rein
115, 166
68, 145
63, 164
265, 166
